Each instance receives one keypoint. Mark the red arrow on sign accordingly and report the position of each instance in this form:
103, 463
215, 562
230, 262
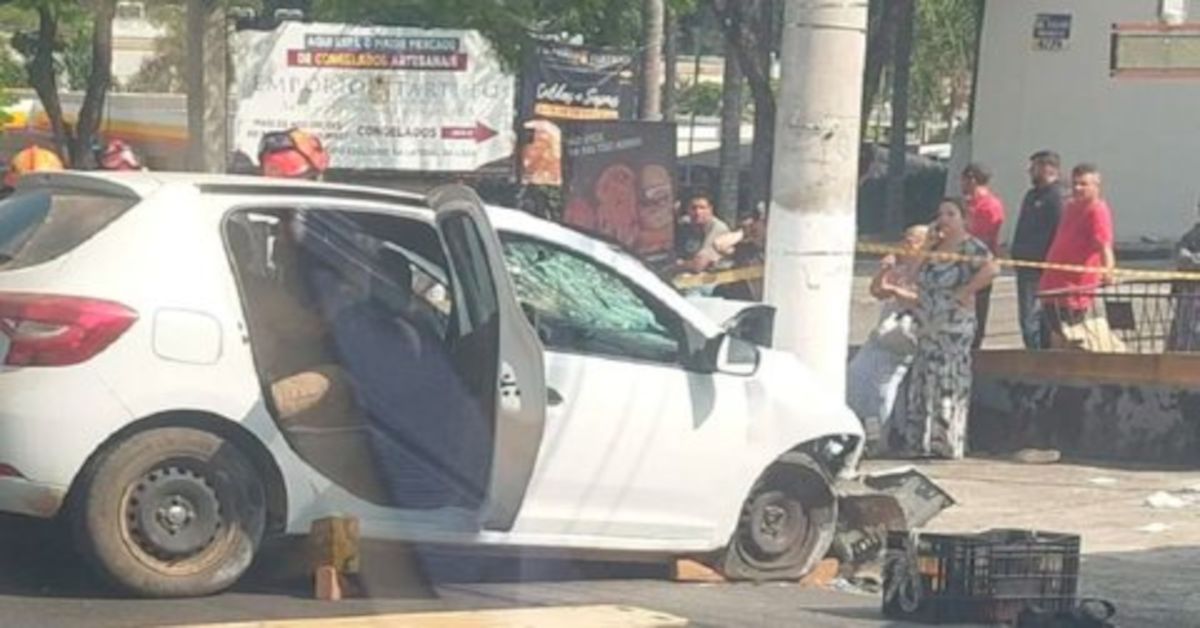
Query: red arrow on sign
480, 132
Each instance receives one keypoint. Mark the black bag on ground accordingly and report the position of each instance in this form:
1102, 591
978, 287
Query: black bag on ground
1089, 614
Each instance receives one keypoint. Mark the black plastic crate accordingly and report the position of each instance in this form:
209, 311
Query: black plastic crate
988, 577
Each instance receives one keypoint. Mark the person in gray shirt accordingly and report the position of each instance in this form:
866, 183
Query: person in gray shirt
1036, 226
697, 237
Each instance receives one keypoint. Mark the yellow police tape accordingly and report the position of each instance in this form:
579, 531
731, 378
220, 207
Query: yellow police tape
750, 273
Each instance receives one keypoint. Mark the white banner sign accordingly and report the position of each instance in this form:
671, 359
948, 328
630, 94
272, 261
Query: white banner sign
378, 97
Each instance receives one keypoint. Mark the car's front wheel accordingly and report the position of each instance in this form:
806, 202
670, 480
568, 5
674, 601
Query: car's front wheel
787, 523
170, 512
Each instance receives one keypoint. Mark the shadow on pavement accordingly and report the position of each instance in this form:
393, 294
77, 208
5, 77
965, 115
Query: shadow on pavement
450, 566
38, 559
1153, 588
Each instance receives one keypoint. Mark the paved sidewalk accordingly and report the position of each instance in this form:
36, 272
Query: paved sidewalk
1140, 557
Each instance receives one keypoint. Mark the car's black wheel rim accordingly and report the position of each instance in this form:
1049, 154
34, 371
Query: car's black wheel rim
777, 526
173, 513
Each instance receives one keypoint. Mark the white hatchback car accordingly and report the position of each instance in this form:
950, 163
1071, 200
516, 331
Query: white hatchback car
191, 363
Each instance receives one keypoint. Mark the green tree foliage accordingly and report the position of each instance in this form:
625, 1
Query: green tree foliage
75, 58
701, 99
12, 75
164, 72
943, 58
509, 25
46, 37
72, 54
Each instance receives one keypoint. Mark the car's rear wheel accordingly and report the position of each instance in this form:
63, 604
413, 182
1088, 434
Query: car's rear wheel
170, 512
787, 523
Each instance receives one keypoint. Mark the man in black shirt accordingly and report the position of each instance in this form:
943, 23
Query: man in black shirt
1036, 226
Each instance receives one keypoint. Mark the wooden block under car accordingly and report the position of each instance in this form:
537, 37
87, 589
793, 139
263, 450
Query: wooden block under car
333, 554
334, 542
823, 574
687, 570
328, 585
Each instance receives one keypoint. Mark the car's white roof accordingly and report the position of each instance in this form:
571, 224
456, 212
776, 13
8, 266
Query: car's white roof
144, 184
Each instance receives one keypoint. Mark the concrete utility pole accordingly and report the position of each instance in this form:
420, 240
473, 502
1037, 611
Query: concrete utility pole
652, 59
207, 36
810, 246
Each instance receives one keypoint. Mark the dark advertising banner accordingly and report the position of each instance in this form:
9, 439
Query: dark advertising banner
562, 82
620, 183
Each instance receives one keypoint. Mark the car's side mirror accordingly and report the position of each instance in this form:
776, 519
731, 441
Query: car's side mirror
755, 324
736, 357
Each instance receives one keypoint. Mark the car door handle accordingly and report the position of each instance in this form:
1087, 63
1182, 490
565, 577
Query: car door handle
553, 397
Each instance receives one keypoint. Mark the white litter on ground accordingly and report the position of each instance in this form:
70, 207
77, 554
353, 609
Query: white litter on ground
1154, 528
1103, 481
1163, 499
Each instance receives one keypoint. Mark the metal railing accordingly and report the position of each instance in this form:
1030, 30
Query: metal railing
1141, 316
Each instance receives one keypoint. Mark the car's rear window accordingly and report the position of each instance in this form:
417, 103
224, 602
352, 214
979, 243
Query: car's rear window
39, 226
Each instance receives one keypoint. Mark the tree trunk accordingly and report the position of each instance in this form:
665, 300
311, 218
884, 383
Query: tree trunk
99, 80
980, 14
894, 214
881, 35
763, 151
748, 27
652, 63
197, 10
44, 79
731, 137
216, 90
670, 61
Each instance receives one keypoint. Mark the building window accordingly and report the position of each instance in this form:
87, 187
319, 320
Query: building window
1155, 50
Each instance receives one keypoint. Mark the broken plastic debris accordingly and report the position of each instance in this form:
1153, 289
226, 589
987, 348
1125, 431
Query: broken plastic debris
1163, 499
1154, 528
843, 585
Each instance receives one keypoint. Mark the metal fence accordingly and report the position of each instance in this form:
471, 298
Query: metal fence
1144, 316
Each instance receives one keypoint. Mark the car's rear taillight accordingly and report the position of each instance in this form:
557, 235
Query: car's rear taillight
9, 471
53, 330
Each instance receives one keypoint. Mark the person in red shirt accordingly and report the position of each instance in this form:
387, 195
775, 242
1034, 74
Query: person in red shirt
987, 217
292, 154
1084, 238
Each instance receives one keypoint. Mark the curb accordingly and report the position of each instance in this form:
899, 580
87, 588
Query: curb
574, 616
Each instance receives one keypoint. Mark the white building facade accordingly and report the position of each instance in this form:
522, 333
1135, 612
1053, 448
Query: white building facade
1114, 82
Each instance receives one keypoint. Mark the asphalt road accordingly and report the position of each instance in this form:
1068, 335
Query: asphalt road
43, 585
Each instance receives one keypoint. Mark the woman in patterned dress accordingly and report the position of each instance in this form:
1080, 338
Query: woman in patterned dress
939, 393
